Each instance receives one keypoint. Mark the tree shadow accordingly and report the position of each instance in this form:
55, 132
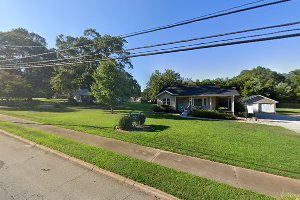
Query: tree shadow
159, 128
54, 109
167, 116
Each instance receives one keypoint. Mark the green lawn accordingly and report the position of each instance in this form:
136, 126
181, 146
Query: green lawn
179, 184
289, 111
260, 147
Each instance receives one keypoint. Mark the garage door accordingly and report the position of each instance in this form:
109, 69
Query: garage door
267, 108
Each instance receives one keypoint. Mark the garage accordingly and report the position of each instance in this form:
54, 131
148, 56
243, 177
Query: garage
260, 104
267, 108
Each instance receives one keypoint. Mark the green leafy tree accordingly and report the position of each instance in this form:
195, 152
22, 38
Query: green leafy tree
293, 79
69, 78
13, 86
111, 84
257, 81
283, 91
37, 78
159, 80
134, 86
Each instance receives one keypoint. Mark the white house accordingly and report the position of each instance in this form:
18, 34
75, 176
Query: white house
202, 97
260, 104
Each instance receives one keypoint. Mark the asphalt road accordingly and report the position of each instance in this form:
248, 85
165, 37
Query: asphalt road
32, 174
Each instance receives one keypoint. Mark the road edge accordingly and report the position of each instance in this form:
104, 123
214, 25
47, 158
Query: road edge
158, 194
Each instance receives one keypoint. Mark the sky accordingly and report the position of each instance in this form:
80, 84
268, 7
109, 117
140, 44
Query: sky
117, 17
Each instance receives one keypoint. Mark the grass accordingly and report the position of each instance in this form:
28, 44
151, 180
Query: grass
179, 184
289, 111
259, 147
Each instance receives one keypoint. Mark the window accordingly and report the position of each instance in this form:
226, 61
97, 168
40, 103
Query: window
204, 102
166, 101
197, 102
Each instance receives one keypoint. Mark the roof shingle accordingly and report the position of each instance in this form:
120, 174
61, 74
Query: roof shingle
200, 91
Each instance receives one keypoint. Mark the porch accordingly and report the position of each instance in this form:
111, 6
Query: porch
221, 103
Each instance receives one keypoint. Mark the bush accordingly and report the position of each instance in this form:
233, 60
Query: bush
72, 101
138, 118
212, 114
142, 119
158, 109
126, 123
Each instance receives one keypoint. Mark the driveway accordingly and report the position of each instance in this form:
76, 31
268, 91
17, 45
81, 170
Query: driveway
289, 122
32, 174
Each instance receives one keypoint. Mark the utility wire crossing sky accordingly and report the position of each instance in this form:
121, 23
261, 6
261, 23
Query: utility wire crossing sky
195, 64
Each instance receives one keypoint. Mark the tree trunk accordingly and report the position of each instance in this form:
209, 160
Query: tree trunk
112, 110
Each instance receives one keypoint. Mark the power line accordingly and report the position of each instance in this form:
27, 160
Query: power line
224, 40
173, 42
210, 16
178, 50
251, 3
219, 45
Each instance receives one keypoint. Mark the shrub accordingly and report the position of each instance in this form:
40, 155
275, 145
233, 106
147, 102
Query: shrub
168, 109
138, 118
158, 109
212, 114
142, 119
126, 123
72, 101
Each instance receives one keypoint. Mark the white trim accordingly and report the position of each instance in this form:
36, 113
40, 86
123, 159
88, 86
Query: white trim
208, 95
232, 105
166, 98
164, 92
253, 96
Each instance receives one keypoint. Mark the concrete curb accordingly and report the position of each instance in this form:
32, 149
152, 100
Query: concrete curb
158, 194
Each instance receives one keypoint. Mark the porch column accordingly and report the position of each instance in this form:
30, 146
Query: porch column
175, 100
210, 103
232, 105
190, 101
228, 102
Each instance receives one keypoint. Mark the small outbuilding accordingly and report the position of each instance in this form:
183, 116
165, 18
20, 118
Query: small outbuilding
260, 104
83, 96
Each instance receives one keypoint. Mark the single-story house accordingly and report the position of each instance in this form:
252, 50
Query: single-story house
198, 97
260, 104
83, 96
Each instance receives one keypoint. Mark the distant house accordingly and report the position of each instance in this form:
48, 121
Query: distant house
260, 104
202, 97
83, 96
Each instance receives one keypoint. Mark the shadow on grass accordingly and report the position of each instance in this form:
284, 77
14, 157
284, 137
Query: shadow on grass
66, 125
159, 128
35, 109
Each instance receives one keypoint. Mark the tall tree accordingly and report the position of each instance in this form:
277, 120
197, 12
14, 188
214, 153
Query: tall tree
90, 47
111, 84
37, 78
159, 80
134, 86
259, 80
13, 85
293, 79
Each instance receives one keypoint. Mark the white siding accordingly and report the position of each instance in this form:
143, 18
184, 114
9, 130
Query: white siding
166, 95
255, 108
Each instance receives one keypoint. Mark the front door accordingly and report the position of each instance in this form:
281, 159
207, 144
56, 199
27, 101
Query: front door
182, 103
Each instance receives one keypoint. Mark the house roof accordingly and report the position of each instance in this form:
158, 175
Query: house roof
259, 99
199, 91
83, 92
